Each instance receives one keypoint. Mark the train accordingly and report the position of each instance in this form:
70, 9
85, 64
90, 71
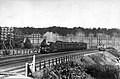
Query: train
61, 46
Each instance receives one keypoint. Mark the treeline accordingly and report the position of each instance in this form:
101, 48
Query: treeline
64, 30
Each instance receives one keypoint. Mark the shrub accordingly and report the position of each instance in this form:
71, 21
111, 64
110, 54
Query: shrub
27, 43
103, 71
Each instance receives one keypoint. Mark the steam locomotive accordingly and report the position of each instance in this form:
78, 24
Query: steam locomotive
61, 46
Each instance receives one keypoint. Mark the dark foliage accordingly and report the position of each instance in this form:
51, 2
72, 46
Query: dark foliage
103, 71
114, 52
27, 43
64, 31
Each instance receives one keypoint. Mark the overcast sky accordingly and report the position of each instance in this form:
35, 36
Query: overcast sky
64, 13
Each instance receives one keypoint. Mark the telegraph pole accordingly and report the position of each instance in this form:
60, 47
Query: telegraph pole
113, 38
56, 36
90, 40
82, 35
99, 39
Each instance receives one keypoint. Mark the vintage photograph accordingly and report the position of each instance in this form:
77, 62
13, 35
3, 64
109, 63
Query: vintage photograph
59, 39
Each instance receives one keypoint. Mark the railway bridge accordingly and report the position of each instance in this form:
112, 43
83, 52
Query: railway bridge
17, 63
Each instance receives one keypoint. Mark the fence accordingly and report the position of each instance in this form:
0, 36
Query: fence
50, 63
54, 61
19, 51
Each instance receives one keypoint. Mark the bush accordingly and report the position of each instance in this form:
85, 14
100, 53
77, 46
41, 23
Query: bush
103, 71
114, 52
27, 43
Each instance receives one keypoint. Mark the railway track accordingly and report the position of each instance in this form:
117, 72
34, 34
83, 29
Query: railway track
25, 57
17, 64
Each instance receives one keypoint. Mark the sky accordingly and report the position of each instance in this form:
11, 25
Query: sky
64, 13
